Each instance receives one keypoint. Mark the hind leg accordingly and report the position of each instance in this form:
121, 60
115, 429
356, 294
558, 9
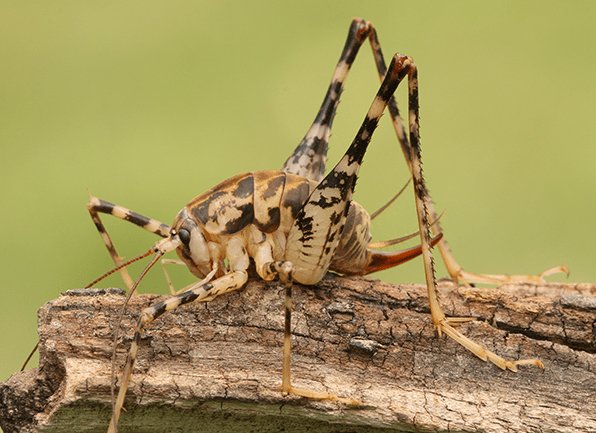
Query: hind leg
441, 323
454, 269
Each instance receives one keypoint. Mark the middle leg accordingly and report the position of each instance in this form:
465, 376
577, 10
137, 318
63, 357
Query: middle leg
440, 321
268, 268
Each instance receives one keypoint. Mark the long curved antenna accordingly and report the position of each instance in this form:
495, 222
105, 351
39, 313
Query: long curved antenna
388, 243
97, 280
123, 265
158, 255
390, 202
30, 356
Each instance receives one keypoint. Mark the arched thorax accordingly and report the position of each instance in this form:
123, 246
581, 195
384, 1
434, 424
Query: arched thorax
259, 206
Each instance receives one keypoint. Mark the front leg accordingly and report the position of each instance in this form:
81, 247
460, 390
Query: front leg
199, 293
235, 279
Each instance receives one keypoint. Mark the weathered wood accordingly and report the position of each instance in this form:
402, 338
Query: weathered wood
217, 366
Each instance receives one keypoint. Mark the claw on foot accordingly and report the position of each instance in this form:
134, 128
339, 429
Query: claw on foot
482, 352
467, 278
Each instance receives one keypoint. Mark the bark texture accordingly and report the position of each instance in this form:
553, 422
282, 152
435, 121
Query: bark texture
217, 366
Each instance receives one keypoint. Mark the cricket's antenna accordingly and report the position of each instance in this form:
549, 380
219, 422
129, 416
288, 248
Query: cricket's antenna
390, 202
158, 254
30, 356
117, 268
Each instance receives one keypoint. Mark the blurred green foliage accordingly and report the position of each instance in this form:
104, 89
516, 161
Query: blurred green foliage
150, 103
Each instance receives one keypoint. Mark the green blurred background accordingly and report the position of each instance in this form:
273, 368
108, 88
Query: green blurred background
150, 103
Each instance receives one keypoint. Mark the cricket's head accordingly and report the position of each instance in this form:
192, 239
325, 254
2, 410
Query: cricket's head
191, 244
186, 237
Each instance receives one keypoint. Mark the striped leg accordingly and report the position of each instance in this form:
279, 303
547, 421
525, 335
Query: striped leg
166, 274
97, 206
441, 323
284, 271
309, 158
268, 269
236, 278
455, 270
199, 293
173, 290
315, 234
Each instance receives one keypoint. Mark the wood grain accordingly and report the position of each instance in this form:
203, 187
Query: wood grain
217, 366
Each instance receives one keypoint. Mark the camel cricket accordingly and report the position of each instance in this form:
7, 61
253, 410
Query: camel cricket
296, 224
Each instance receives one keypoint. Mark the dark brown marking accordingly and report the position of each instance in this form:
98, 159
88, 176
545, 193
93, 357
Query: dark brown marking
137, 218
295, 194
272, 223
104, 206
246, 218
305, 225
316, 147
201, 209
273, 186
157, 310
330, 103
235, 192
245, 187
269, 187
356, 36
225, 186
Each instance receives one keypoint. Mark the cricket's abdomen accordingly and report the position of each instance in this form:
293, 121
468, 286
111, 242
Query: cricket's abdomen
352, 255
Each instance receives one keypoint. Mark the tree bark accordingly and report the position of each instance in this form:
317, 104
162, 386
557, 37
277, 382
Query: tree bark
217, 366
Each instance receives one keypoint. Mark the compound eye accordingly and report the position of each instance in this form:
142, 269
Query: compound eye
184, 236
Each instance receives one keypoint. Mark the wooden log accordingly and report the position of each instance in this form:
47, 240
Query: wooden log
217, 366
